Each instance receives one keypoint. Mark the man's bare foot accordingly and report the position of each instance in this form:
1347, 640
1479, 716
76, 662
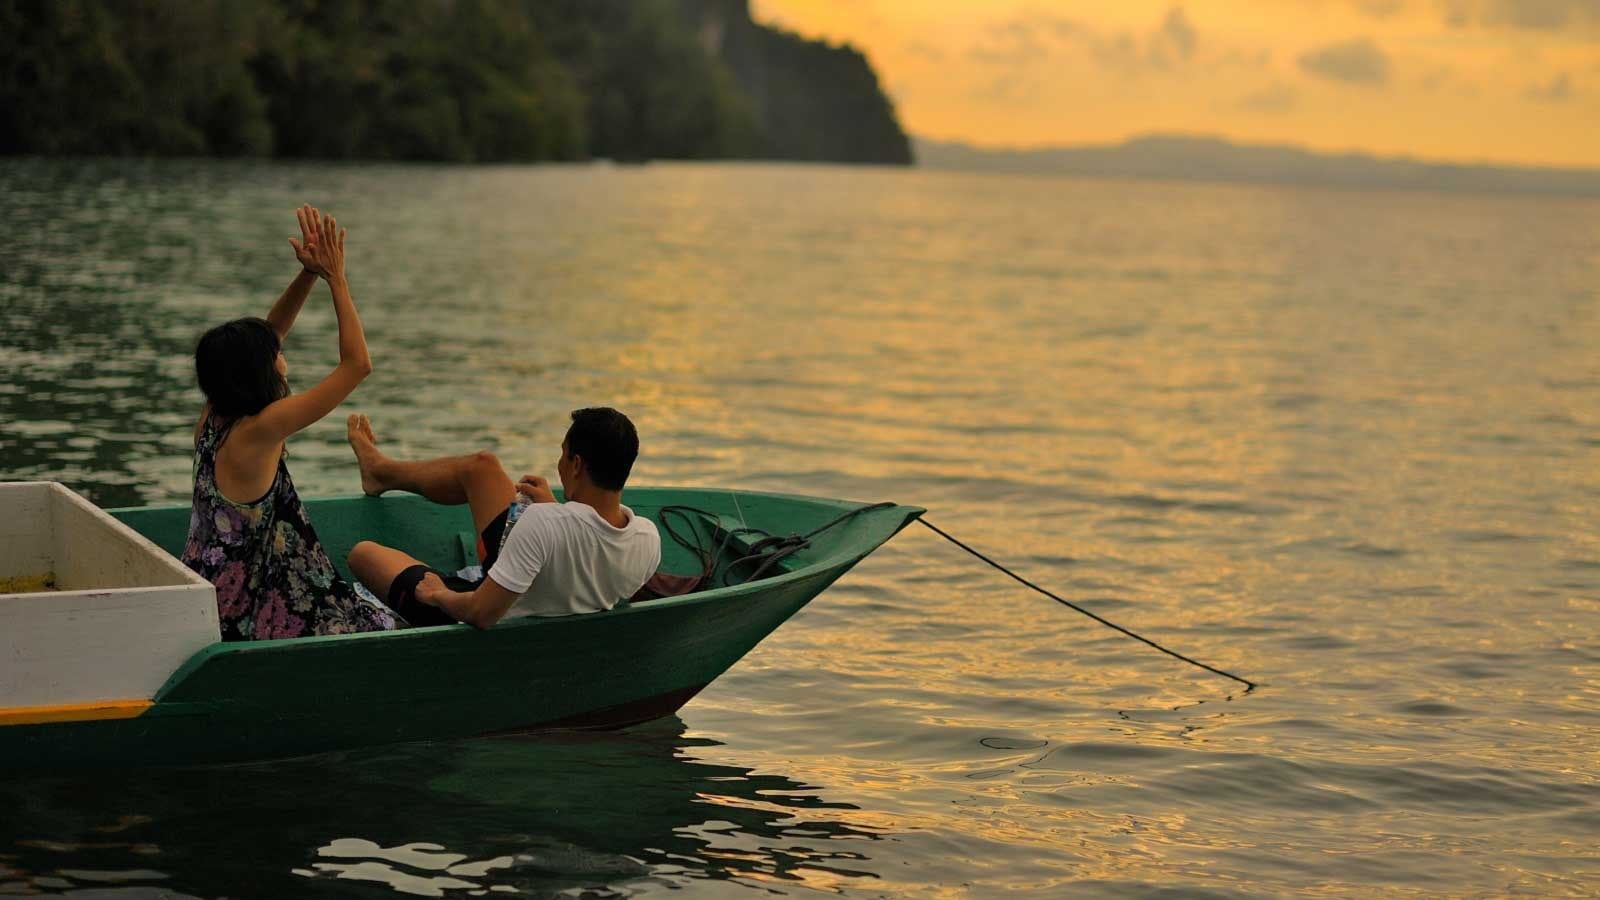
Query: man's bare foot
358, 430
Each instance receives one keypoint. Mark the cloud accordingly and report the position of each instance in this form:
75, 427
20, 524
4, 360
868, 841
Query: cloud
1358, 61
1034, 36
1176, 33
1121, 51
1556, 90
1547, 15
925, 50
1275, 99
1010, 88
1441, 78
1026, 38
1380, 9
1247, 59
1445, 79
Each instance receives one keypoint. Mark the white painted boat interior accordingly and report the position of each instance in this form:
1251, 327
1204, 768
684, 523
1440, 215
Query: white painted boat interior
124, 613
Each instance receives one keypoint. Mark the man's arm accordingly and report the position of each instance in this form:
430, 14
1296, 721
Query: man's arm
480, 608
519, 562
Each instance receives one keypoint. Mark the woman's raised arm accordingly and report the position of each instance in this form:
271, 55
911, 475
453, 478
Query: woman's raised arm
325, 248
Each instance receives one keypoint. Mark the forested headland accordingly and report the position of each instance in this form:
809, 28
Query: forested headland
447, 80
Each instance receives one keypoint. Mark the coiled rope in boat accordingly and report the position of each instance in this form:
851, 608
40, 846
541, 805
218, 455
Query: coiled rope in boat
761, 556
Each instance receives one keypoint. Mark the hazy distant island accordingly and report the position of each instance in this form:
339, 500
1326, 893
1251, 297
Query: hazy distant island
1214, 159
447, 80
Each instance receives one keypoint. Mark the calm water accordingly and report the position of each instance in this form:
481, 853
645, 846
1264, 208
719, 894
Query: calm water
1346, 444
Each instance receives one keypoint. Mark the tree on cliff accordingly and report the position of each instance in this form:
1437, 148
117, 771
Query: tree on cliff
455, 80
813, 100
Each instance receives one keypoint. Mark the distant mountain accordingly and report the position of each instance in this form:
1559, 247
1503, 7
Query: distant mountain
1187, 158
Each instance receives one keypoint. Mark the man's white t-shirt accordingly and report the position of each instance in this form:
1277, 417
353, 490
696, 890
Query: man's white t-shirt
564, 559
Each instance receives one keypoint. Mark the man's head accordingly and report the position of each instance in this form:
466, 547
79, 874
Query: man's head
600, 447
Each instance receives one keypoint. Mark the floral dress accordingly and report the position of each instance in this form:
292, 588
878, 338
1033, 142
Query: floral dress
272, 576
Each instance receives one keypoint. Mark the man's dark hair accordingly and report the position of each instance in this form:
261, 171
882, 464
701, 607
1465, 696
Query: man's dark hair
607, 442
236, 363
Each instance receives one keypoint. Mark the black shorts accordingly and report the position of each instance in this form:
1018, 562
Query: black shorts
403, 590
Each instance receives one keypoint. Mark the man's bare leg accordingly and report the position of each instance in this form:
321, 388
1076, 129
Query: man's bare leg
476, 479
377, 566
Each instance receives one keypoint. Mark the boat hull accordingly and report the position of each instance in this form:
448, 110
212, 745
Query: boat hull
255, 700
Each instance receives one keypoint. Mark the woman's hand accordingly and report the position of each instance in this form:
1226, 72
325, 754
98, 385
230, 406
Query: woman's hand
321, 250
536, 489
287, 309
305, 248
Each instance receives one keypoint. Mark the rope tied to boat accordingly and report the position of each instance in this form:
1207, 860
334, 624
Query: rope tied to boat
763, 555
1249, 685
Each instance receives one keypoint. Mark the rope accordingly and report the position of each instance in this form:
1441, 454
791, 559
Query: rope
765, 553
771, 549
1249, 685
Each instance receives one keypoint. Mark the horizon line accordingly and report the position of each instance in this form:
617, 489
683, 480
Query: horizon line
1308, 149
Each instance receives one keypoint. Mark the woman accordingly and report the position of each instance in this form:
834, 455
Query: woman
249, 534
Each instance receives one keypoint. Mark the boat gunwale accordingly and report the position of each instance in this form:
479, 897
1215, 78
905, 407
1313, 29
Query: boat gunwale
813, 569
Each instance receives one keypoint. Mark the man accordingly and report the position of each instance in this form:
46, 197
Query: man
554, 559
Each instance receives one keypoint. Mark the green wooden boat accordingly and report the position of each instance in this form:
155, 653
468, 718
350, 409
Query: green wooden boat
232, 702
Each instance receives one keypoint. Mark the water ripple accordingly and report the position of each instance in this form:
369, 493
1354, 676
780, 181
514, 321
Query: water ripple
1251, 422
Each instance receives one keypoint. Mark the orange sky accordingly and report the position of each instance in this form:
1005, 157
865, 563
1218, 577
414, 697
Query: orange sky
1514, 81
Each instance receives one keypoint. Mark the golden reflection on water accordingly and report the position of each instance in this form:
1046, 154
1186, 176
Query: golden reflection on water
1340, 442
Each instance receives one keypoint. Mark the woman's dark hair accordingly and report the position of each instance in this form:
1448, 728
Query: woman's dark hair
607, 442
236, 363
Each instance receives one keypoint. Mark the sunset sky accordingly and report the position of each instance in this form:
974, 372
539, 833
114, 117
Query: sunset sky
1511, 81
